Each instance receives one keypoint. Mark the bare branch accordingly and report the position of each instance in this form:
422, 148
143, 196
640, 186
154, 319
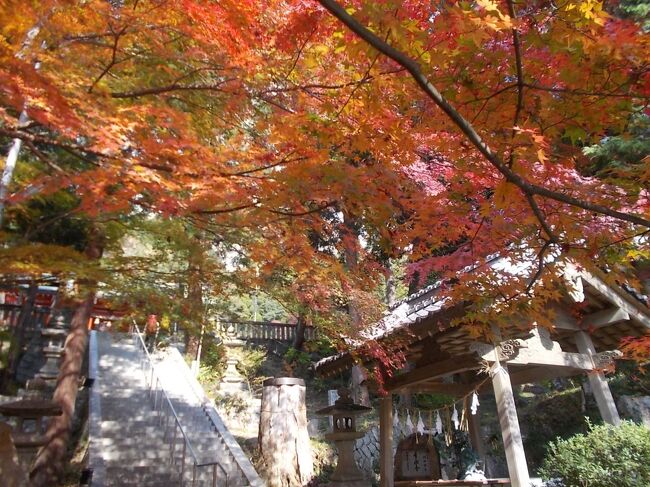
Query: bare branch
520, 78
540, 266
158, 90
220, 211
112, 62
303, 213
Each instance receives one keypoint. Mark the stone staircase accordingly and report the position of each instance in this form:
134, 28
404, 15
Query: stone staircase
134, 436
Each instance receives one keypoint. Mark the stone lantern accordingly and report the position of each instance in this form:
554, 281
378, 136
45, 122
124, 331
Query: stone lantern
53, 338
344, 434
232, 381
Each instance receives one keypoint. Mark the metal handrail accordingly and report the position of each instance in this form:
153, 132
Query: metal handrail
177, 424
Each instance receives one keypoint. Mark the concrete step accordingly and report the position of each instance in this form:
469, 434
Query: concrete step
119, 476
136, 457
149, 429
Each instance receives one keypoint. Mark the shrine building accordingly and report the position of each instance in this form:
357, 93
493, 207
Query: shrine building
442, 358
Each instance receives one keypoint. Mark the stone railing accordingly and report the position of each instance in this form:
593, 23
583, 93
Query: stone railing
243, 463
95, 460
262, 330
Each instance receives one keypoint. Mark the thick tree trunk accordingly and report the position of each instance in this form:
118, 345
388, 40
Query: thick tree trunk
23, 119
49, 463
196, 312
391, 286
358, 385
283, 437
301, 326
50, 460
10, 166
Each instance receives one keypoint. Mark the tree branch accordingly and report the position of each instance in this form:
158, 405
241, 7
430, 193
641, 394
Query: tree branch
520, 79
158, 90
112, 62
303, 213
220, 211
281, 162
465, 126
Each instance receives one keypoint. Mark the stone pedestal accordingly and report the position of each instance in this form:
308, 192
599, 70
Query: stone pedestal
347, 472
12, 473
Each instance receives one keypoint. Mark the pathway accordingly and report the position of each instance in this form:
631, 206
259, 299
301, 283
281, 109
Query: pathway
133, 434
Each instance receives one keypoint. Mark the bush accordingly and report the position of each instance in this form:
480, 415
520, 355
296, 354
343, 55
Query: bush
606, 456
250, 365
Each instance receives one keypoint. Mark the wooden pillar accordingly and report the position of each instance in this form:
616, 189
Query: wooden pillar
598, 383
512, 442
386, 465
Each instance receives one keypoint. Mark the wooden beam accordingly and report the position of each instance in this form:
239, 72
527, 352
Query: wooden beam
541, 373
599, 319
428, 372
578, 361
386, 464
450, 389
537, 356
617, 297
533, 375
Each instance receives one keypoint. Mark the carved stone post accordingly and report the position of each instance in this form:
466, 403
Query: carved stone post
29, 433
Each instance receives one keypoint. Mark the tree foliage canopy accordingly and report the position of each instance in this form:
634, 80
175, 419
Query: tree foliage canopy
446, 131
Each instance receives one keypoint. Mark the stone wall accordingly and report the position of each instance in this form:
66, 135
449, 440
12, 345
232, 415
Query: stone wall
366, 451
636, 408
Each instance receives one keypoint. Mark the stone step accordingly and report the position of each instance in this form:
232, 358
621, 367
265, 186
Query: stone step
144, 442
160, 468
148, 429
160, 475
136, 457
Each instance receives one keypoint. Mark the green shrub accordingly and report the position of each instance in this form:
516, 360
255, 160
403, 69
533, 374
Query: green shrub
606, 456
553, 414
250, 366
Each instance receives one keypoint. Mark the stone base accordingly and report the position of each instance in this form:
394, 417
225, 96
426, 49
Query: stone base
234, 387
635, 408
350, 483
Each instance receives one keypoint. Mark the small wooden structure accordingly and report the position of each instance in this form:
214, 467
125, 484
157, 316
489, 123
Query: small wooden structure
416, 459
446, 359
